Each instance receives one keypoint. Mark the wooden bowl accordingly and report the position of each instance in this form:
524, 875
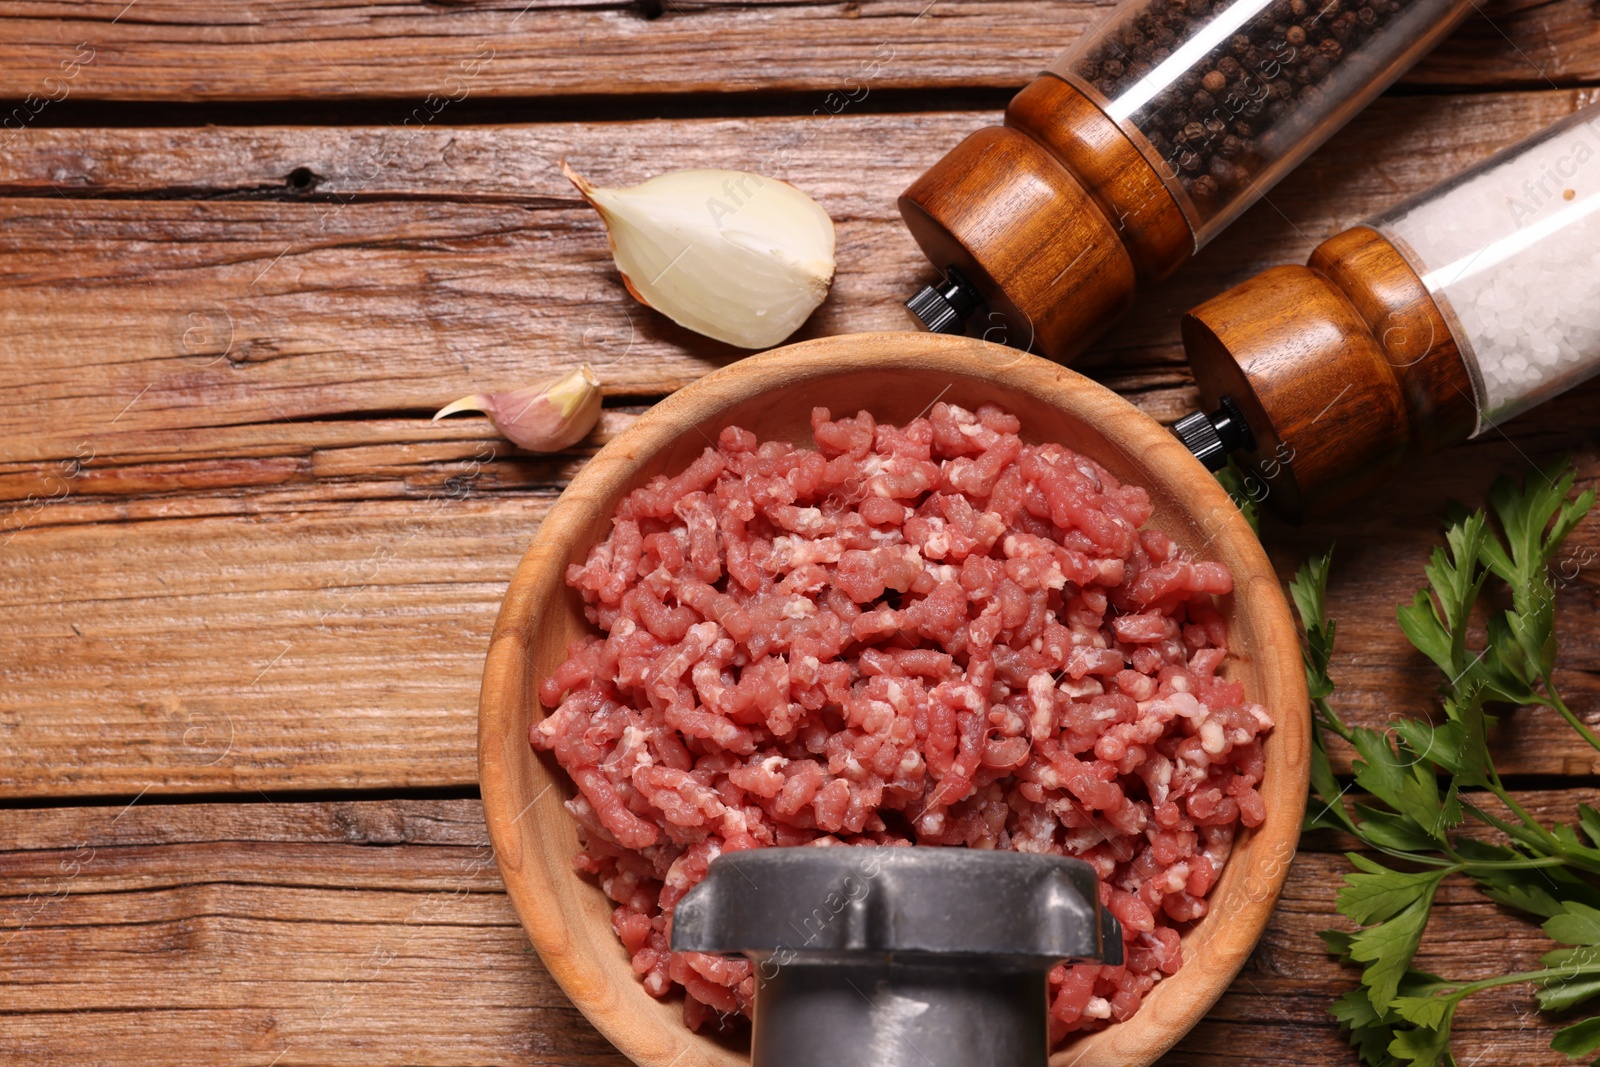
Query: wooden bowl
897, 377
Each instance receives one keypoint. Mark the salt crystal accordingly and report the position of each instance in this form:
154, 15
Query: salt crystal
1511, 252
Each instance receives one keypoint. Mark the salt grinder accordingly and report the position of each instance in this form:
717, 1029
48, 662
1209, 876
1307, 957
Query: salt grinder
899, 957
1429, 324
1137, 147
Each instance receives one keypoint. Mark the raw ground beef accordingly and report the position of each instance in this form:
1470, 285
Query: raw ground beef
930, 634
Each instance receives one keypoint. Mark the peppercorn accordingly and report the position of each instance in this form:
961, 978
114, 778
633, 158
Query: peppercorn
1208, 119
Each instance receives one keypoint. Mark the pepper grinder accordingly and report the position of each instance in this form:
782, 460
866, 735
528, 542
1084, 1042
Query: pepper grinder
899, 957
1429, 324
1137, 147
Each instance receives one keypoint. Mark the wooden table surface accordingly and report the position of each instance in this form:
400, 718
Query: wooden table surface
246, 249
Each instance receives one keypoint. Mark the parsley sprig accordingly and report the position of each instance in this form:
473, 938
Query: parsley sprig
1423, 783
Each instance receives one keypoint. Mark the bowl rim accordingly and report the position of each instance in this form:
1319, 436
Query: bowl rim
1163, 1019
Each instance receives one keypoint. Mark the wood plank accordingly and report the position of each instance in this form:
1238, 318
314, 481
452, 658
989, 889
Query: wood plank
375, 932
330, 643
150, 327
326, 932
329, 635
292, 512
423, 59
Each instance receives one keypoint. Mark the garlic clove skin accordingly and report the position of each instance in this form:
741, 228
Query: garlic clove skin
729, 254
546, 417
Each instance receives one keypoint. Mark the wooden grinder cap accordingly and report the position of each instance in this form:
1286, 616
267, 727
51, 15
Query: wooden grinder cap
1049, 220
1338, 367
1011, 218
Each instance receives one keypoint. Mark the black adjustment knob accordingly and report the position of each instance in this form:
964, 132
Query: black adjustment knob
945, 308
1211, 437
870, 956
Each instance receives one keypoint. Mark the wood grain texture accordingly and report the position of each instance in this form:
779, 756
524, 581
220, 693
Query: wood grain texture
378, 931
1046, 260
247, 637
1341, 367
301, 477
206, 298
235, 557
1112, 167
428, 55
329, 643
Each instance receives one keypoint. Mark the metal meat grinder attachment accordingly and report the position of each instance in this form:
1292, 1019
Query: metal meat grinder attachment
899, 957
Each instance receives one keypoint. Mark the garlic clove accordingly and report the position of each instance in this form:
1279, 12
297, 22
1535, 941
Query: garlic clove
726, 253
546, 417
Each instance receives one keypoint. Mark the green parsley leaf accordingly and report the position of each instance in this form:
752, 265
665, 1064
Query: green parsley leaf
1246, 490
1399, 1015
1561, 994
1368, 1034
1379, 894
1309, 589
1579, 1039
1578, 924
1430, 1012
1424, 1046
1398, 904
